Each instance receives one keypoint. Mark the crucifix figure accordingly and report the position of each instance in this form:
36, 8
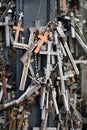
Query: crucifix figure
43, 39
18, 28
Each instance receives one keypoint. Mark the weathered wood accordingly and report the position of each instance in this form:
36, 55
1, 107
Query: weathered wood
21, 46
13, 119
24, 74
64, 5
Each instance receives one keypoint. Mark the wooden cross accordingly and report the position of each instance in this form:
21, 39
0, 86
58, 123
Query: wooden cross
64, 5
18, 29
24, 74
13, 119
43, 39
3, 76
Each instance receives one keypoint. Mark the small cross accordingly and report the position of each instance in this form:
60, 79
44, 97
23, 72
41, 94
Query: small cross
43, 39
64, 5
18, 29
21, 15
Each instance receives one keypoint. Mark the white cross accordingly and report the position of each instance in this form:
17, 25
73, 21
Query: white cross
21, 15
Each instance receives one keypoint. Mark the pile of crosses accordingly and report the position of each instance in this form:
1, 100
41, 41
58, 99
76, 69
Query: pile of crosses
52, 72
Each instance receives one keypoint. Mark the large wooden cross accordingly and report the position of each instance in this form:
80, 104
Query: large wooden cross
43, 39
18, 30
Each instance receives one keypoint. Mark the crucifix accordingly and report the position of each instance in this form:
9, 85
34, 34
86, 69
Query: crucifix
18, 28
43, 39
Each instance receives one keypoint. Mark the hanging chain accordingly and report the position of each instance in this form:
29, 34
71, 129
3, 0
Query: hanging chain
48, 11
36, 65
23, 12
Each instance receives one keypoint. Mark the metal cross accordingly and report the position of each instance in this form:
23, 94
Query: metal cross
21, 15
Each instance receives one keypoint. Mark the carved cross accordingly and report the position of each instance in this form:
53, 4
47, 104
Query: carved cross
18, 30
43, 39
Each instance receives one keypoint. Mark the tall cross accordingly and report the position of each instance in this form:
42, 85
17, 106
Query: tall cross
18, 30
43, 39
3, 76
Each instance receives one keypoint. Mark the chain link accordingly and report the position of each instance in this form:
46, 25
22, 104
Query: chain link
23, 12
36, 65
48, 11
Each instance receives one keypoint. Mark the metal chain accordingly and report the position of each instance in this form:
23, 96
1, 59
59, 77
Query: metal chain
36, 65
23, 12
48, 11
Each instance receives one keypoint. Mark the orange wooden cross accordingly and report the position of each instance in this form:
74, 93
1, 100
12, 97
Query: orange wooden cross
64, 5
43, 39
18, 29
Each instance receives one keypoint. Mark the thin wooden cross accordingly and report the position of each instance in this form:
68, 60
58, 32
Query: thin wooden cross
18, 30
43, 39
3, 76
